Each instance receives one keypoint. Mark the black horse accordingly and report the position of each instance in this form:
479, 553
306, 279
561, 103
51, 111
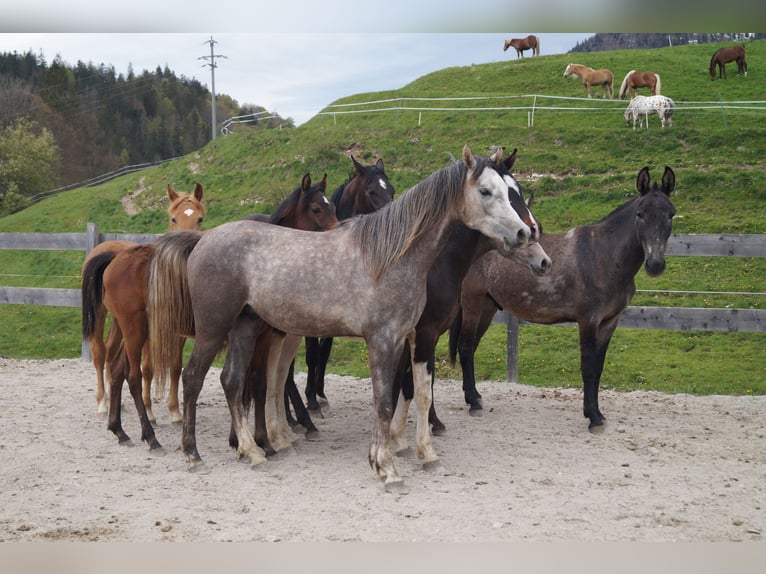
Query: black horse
591, 283
463, 247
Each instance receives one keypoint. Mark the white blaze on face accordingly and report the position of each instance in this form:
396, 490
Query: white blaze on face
189, 212
325, 199
382, 183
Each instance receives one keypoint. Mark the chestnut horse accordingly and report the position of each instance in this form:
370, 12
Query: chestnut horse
723, 56
531, 42
185, 212
634, 80
588, 284
590, 77
119, 283
365, 278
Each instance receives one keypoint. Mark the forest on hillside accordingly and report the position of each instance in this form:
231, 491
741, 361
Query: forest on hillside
603, 42
101, 121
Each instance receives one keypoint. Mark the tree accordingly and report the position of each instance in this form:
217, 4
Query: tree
28, 163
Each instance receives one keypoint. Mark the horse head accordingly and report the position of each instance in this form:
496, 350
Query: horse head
186, 211
654, 214
314, 211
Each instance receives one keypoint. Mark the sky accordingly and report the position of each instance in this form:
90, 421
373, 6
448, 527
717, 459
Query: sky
294, 75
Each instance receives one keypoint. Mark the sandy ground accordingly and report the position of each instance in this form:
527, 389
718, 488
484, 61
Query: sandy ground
666, 468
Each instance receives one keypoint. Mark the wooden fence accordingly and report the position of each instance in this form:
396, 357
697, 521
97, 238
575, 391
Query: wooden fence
669, 318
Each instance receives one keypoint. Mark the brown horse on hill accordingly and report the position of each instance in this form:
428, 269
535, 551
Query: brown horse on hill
531, 42
723, 56
590, 77
634, 80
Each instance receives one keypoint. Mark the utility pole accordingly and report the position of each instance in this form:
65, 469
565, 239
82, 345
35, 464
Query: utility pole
213, 66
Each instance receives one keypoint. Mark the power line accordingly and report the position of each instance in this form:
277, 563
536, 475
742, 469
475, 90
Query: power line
213, 66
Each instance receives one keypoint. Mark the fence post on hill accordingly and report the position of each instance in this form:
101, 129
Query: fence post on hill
512, 348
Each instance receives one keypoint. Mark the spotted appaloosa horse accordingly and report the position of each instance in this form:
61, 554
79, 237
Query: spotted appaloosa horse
641, 107
588, 284
531, 42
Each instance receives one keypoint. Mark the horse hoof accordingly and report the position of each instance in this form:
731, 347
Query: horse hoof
312, 435
284, 453
156, 447
438, 428
476, 412
198, 467
395, 486
432, 465
404, 452
596, 427
125, 442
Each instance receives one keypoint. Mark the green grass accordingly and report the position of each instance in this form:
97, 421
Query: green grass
580, 166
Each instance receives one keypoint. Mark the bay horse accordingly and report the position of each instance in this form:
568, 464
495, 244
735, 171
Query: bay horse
185, 211
366, 190
590, 77
531, 42
634, 80
119, 283
588, 285
723, 56
641, 106
380, 262
445, 277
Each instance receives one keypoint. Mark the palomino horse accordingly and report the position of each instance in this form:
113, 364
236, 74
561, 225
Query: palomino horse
463, 247
520, 44
634, 80
588, 284
641, 106
366, 190
124, 278
378, 262
590, 77
185, 212
723, 56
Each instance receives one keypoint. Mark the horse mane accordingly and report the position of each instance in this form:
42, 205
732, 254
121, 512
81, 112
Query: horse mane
624, 85
405, 220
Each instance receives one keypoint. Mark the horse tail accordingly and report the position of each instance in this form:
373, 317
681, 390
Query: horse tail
536, 51
624, 85
658, 85
610, 75
454, 335
93, 291
168, 301
712, 64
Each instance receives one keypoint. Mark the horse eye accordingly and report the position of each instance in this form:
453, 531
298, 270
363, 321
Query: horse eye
173, 220
484, 191
200, 220
315, 210
640, 214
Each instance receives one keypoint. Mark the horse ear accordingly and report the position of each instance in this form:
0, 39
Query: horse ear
172, 193
198, 191
358, 168
323, 183
306, 182
379, 164
511, 159
468, 159
668, 181
497, 157
531, 199
642, 181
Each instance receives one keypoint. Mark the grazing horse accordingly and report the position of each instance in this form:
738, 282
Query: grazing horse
380, 262
366, 190
185, 212
588, 284
119, 283
531, 42
463, 247
634, 80
723, 56
641, 106
590, 77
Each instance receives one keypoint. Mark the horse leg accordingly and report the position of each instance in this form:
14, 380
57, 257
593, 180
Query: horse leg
587, 88
242, 338
325, 346
98, 354
118, 368
476, 318
301, 412
383, 354
282, 351
594, 342
312, 362
422, 383
147, 374
175, 377
402, 393
437, 426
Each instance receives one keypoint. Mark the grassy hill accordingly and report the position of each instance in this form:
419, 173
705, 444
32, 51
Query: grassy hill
580, 164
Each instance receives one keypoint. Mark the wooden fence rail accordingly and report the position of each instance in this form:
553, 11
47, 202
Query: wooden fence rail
668, 318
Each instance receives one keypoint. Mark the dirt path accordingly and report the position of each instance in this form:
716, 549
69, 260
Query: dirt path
666, 468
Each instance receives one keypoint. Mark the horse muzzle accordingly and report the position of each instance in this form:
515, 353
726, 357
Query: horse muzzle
654, 266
